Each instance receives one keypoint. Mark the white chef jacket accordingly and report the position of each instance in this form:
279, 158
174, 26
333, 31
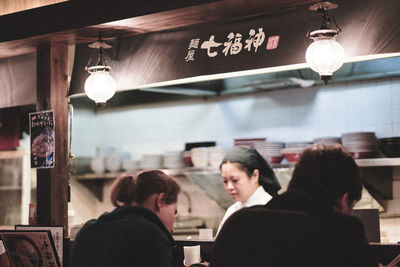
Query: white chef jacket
259, 197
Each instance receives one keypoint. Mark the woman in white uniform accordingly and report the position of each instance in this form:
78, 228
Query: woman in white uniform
248, 178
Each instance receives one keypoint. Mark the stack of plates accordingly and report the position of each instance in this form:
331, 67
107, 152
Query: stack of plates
302, 145
327, 140
173, 159
199, 156
270, 150
248, 141
360, 144
113, 162
130, 165
151, 161
215, 155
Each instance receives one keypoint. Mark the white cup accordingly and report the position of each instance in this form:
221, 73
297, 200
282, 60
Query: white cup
206, 234
191, 254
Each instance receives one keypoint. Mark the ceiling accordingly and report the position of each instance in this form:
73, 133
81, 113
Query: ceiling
80, 21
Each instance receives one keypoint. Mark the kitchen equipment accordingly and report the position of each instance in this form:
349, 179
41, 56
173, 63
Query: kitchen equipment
390, 146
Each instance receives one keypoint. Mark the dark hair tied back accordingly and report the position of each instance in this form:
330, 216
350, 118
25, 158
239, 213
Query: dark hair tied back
128, 189
123, 190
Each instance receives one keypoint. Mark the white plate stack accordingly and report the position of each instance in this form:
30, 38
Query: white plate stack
215, 156
130, 165
360, 144
327, 140
302, 145
173, 159
151, 161
199, 157
271, 150
250, 142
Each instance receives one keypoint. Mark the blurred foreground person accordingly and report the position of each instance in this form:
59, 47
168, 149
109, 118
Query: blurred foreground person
137, 231
308, 225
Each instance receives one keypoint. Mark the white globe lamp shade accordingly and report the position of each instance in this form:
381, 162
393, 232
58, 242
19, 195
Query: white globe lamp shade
325, 56
100, 86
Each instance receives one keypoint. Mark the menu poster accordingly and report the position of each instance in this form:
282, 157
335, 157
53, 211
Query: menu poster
4, 261
30, 248
41, 126
57, 232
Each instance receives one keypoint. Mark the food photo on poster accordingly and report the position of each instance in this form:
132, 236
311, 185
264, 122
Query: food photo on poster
42, 139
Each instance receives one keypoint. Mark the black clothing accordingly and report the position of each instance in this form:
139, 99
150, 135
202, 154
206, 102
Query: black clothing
250, 158
291, 231
127, 236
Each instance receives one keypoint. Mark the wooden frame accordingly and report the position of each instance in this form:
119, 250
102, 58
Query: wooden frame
57, 233
27, 248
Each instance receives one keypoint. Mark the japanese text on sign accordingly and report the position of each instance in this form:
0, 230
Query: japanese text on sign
234, 44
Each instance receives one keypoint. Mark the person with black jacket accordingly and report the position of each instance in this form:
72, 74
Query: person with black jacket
309, 225
137, 231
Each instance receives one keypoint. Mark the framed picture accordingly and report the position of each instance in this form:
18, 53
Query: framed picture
30, 248
57, 233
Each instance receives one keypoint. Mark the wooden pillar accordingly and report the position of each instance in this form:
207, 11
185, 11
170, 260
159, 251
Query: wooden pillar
52, 86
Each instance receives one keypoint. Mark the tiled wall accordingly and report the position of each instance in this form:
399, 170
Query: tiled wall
287, 115
283, 115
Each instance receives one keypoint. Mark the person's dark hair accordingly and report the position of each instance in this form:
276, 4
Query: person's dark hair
127, 188
326, 173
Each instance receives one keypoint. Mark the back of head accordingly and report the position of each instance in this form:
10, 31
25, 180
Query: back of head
326, 173
128, 189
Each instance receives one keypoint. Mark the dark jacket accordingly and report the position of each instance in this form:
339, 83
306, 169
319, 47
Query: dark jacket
127, 236
291, 231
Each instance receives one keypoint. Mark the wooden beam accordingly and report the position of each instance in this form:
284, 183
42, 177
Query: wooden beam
75, 14
52, 85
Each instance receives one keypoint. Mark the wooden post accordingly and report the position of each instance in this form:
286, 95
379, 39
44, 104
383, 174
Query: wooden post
52, 87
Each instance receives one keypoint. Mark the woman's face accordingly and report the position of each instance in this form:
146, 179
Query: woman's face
237, 183
167, 214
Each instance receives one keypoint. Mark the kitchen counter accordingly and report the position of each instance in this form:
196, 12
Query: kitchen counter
384, 253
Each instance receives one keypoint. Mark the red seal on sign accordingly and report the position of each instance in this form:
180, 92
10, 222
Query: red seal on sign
273, 42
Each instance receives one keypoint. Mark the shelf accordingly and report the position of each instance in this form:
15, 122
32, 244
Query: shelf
10, 187
378, 162
97, 176
12, 154
375, 162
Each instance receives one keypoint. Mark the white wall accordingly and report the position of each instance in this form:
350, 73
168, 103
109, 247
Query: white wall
286, 115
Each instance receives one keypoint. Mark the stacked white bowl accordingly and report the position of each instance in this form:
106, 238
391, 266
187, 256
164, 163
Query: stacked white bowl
250, 142
302, 144
173, 159
130, 165
327, 140
360, 144
271, 150
199, 157
215, 156
151, 161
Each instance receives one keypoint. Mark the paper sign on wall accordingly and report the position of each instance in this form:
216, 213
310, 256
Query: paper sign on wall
42, 139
